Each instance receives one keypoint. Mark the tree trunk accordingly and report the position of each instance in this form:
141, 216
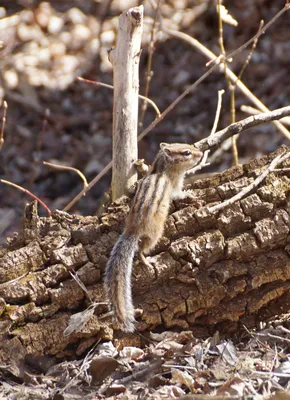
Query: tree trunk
209, 271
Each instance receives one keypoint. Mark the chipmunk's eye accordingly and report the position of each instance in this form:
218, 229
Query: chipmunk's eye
187, 153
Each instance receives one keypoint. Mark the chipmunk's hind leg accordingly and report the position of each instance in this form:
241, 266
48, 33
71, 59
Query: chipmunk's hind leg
144, 247
148, 243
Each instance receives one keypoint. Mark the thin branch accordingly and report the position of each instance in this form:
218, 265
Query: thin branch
65, 167
281, 170
5, 106
90, 185
277, 160
149, 66
229, 83
27, 192
240, 126
255, 111
233, 88
248, 59
79, 78
13, 280
81, 284
37, 155
218, 111
222, 47
203, 163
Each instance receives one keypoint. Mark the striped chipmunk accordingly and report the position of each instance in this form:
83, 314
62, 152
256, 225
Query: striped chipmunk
145, 223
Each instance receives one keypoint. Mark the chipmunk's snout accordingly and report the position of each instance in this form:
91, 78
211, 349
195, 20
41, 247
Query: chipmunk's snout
198, 154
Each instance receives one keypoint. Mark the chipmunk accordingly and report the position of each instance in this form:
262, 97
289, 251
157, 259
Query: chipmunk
145, 224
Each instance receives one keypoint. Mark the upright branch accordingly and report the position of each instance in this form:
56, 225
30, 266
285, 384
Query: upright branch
149, 72
125, 60
3, 124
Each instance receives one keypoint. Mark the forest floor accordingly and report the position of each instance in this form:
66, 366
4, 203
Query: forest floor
54, 117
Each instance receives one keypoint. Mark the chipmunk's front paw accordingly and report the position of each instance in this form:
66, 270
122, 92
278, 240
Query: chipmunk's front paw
184, 194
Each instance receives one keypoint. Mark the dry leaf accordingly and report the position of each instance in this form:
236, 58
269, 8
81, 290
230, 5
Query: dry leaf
233, 387
228, 352
78, 321
132, 352
101, 367
183, 378
107, 349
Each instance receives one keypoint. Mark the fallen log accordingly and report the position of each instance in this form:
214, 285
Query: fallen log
210, 271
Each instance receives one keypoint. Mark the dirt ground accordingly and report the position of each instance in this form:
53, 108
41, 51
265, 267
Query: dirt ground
54, 117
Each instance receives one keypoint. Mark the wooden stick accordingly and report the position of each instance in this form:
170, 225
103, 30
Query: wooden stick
125, 60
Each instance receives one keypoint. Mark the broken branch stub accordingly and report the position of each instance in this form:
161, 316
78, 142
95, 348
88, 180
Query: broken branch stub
125, 60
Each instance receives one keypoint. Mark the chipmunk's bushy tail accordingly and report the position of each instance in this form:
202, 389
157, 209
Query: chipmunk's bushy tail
118, 280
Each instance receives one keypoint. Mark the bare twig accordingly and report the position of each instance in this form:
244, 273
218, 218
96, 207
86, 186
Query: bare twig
5, 106
233, 88
200, 165
248, 59
218, 111
146, 99
81, 284
102, 19
90, 185
241, 126
13, 280
27, 192
203, 162
229, 83
255, 111
277, 160
37, 156
65, 167
149, 66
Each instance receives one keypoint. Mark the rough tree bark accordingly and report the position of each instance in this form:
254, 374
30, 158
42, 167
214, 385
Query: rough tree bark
209, 271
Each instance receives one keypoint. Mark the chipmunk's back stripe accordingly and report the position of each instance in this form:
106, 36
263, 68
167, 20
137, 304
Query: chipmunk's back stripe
147, 196
165, 187
142, 196
136, 201
137, 194
155, 186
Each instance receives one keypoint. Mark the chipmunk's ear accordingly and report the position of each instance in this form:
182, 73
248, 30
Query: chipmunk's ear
165, 147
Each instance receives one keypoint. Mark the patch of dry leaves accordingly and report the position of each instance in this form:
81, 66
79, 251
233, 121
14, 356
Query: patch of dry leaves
170, 366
